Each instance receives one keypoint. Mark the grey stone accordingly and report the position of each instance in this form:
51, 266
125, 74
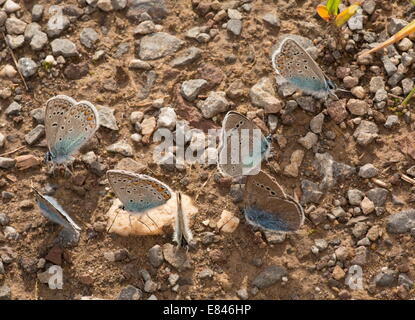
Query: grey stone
272, 19
39, 40
88, 37
155, 256
35, 134
404, 280
27, 67
307, 103
139, 64
64, 47
31, 30
37, 12
331, 170
234, 26
13, 109
190, 89
316, 124
15, 26
145, 27
366, 132
107, 118
395, 78
386, 278
376, 83
391, 121
390, 68
11, 6
4, 220
122, 148
310, 192
15, 42
309, 140
5, 292
395, 25
167, 118
356, 21
262, 95
7, 163
130, 293
269, 276
368, 171
56, 25
187, 57
205, 273
214, 104
355, 197
3, 17
369, 6
401, 222
158, 45
378, 196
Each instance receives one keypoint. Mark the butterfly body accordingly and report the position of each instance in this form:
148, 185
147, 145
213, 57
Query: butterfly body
138, 192
53, 211
296, 66
68, 125
236, 125
267, 205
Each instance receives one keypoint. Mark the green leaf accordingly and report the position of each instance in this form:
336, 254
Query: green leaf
333, 7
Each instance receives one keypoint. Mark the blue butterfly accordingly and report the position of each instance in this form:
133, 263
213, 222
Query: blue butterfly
68, 125
297, 67
267, 205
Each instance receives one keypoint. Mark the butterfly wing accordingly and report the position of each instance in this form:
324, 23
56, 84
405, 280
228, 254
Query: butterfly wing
268, 207
138, 192
182, 231
56, 107
236, 123
77, 126
53, 211
293, 63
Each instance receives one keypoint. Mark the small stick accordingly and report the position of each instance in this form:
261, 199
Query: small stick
207, 180
13, 151
15, 62
407, 179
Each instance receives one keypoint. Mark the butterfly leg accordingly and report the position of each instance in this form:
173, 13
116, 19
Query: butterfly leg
148, 216
145, 225
108, 230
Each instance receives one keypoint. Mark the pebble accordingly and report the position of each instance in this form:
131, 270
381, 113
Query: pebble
5, 292
355, 197
401, 222
187, 57
391, 121
145, 27
357, 107
378, 196
262, 95
139, 64
269, 276
366, 132
155, 256
367, 206
27, 67
386, 278
130, 293
214, 104
64, 47
310, 192
13, 109
271, 19
15, 26
37, 12
190, 89
395, 25
368, 171
88, 37
309, 140
121, 147
158, 45
234, 26
56, 25
39, 41
107, 118
35, 135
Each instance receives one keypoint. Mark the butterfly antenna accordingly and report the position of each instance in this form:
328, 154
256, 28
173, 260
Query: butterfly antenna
108, 230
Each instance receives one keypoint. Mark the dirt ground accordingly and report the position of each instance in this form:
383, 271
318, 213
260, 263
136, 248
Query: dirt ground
235, 258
